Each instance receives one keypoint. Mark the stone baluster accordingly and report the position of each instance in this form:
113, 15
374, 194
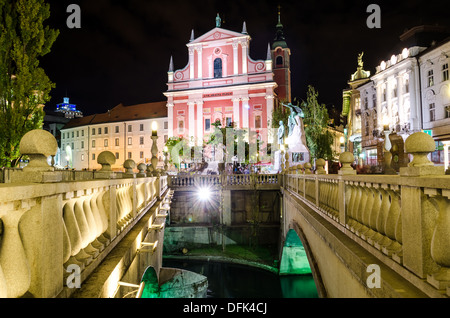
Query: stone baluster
320, 164
129, 165
416, 212
106, 159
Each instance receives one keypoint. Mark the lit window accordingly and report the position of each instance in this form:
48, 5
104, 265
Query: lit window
445, 72
117, 142
430, 78
105, 143
432, 109
130, 141
82, 157
447, 111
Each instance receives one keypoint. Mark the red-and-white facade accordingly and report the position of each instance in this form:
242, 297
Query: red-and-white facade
220, 82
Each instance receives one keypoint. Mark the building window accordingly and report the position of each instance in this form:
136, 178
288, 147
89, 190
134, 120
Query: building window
207, 124
166, 138
406, 85
117, 155
166, 125
99, 131
141, 140
432, 109
181, 126
117, 129
130, 128
258, 123
130, 141
93, 143
384, 94
93, 131
73, 134
82, 157
430, 78
217, 68
357, 103
228, 121
73, 146
82, 144
78, 133
141, 155
105, 143
129, 155
447, 111
141, 127
82, 133
93, 156
445, 72
106, 130
117, 142
279, 61
394, 91
63, 135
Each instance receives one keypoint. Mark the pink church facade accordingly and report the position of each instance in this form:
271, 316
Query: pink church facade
220, 82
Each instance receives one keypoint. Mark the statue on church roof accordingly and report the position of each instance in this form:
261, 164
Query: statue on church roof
218, 21
360, 62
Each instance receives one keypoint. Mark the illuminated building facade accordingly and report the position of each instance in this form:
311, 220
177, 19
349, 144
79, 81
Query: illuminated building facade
222, 82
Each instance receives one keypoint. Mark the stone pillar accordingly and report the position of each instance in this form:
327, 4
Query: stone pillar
199, 62
191, 63
235, 58
226, 209
199, 123
245, 115
236, 118
244, 57
170, 119
191, 120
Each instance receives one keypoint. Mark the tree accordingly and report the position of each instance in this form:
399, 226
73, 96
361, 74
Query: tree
24, 86
318, 138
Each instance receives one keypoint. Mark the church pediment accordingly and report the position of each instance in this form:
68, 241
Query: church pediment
217, 34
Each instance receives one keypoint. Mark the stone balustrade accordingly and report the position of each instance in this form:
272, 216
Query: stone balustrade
55, 223
226, 181
406, 217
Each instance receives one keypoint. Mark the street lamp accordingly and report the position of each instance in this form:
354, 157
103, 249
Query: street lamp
342, 141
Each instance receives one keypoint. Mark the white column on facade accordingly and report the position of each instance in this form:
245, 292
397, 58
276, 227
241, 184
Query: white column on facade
244, 57
191, 63
225, 65
191, 120
199, 62
210, 67
245, 108
414, 98
446, 144
236, 112
170, 119
199, 123
235, 58
269, 107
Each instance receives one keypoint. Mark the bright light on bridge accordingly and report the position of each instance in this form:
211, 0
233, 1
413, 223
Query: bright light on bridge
204, 194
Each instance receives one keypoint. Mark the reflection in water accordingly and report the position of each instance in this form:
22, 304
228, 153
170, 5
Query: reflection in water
226, 280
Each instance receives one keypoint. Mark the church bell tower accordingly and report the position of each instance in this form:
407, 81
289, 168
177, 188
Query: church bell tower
281, 63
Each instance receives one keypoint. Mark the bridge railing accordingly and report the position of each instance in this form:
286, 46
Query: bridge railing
227, 181
52, 229
406, 216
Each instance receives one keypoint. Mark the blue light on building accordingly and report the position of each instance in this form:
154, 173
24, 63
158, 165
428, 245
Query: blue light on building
69, 109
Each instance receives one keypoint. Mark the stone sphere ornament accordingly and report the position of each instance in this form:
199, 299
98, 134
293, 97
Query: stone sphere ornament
38, 145
420, 145
106, 159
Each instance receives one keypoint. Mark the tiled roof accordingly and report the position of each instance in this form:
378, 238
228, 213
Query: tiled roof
122, 113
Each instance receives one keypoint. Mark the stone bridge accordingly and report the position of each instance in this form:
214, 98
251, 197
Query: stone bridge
94, 233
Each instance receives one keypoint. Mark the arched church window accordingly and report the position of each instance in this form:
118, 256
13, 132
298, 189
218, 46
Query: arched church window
279, 60
217, 67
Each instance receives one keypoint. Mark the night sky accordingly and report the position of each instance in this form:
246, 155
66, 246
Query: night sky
121, 52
